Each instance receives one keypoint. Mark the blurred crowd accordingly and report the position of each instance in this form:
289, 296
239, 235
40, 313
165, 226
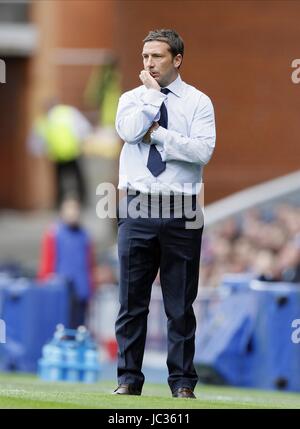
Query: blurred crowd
265, 243
262, 242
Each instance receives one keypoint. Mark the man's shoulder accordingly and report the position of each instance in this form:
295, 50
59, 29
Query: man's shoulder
135, 92
190, 90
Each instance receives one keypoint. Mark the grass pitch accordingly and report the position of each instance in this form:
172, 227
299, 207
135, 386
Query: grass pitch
27, 391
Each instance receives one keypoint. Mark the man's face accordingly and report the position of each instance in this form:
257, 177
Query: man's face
70, 212
158, 60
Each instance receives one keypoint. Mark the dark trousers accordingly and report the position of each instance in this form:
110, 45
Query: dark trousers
69, 180
146, 245
78, 309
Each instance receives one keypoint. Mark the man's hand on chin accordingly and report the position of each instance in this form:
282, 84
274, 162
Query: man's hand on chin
147, 136
148, 80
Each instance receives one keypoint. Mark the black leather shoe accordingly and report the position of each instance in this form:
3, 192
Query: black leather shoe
184, 392
126, 389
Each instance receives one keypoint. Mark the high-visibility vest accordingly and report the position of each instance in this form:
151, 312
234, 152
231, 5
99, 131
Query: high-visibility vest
57, 130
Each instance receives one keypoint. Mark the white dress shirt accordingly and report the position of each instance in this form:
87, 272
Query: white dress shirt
186, 146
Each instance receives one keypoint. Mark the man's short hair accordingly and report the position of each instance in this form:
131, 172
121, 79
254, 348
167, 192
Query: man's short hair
172, 38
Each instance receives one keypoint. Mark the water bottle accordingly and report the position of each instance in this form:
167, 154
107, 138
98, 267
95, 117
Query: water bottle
51, 363
82, 334
71, 356
55, 363
91, 367
71, 362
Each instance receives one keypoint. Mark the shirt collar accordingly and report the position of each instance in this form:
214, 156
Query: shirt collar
176, 86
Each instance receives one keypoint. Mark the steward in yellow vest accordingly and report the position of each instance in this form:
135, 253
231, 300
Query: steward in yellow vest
60, 134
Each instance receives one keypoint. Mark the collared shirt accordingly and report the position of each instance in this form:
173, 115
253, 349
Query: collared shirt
186, 146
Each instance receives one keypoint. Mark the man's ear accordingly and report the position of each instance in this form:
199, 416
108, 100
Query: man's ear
177, 61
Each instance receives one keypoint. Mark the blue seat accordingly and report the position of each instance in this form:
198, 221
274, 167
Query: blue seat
30, 313
248, 340
276, 358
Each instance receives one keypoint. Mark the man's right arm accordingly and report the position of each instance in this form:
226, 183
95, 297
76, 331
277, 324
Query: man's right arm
136, 115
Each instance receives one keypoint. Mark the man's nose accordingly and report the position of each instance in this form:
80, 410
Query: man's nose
149, 63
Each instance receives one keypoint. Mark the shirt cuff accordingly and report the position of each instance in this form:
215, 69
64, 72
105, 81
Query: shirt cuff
153, 97
158, 136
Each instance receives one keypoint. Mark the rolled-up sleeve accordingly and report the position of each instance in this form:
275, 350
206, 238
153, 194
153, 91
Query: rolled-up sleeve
135, 115
199, 146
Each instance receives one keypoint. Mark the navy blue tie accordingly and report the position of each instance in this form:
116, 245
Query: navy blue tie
155, 163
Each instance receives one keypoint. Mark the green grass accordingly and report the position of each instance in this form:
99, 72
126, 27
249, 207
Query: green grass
27, 391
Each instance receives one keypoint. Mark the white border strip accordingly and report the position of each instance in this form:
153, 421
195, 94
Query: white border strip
82, 56
18, 39
254, 195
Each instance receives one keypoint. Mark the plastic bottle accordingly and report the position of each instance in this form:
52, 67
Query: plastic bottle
51, 364
71, 355
91, 367
71, 362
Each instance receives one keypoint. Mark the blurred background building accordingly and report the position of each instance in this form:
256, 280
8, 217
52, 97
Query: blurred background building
239, 53
51, 49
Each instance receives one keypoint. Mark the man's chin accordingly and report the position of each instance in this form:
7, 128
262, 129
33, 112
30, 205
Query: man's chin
159, 81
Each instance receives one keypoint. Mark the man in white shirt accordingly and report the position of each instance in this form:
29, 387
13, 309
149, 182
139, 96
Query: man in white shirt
168, 128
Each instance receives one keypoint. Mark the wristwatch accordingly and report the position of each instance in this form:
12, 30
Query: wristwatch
151, 134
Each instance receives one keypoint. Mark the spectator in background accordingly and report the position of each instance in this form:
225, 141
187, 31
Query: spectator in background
67, 251
288, 262
264, 243
59, 132
264, 266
